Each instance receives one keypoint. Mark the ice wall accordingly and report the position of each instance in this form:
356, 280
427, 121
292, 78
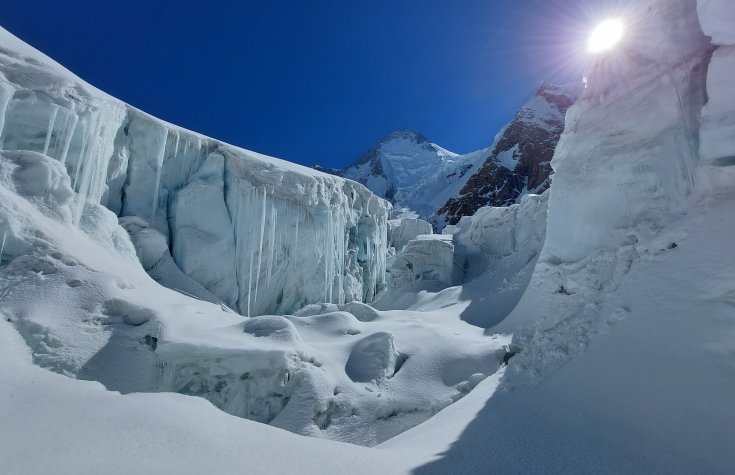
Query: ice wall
261, 234
626, 166
401, 231
630, 144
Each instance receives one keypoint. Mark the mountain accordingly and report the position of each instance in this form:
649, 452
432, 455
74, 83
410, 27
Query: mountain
519, 162
426, 180
403, 168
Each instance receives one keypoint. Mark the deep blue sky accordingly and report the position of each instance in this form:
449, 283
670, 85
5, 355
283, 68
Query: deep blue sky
314, 81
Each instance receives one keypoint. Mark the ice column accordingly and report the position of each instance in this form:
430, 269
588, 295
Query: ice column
6, 93
98, 145
163, 136
50, 129
2, 246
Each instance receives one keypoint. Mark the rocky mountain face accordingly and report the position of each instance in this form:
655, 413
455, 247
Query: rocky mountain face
519, 163
424, 180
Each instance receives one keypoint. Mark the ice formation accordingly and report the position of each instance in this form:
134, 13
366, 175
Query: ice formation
250, 229
610, 195
400, 231
612, 291
718, 123
225, 228
427, 259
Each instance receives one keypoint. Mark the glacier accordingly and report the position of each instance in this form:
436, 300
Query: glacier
591, 329
244, 226
267, 266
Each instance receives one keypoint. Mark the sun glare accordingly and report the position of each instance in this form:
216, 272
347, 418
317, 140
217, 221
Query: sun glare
605, 36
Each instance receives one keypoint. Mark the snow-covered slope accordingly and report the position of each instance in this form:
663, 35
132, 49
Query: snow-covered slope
252, 230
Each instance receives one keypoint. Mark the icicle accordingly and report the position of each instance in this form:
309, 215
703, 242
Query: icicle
83, 176
241, 237
250, 254
69, 135
159, 166
6, 93
296, 232
260, 247
98, 136
271, 244
176, 147
50, 129
82, 154
2, 246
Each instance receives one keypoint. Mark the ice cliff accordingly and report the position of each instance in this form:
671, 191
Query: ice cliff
261, 234
627, 165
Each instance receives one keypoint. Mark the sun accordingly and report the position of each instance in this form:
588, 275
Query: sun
606, 36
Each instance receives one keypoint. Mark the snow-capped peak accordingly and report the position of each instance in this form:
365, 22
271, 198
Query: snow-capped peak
398, 164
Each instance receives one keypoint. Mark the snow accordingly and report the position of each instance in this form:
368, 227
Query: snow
655, 111
588, 329
651, 394
324, 372
420, 177
417, 171
427, 262
86, 429
717, 18
509, 158
718, 124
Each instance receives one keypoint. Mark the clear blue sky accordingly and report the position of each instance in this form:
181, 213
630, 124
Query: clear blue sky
314, 81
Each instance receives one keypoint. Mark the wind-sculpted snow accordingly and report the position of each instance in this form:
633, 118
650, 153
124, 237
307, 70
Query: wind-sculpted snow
253, 230
86, 308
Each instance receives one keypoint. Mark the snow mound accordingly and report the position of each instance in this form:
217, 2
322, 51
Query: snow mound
373, 358
272, 326
364, 313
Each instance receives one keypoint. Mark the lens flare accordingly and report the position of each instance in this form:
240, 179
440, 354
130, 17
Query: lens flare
605, 36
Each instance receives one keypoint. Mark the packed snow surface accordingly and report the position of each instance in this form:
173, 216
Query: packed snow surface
591, 329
